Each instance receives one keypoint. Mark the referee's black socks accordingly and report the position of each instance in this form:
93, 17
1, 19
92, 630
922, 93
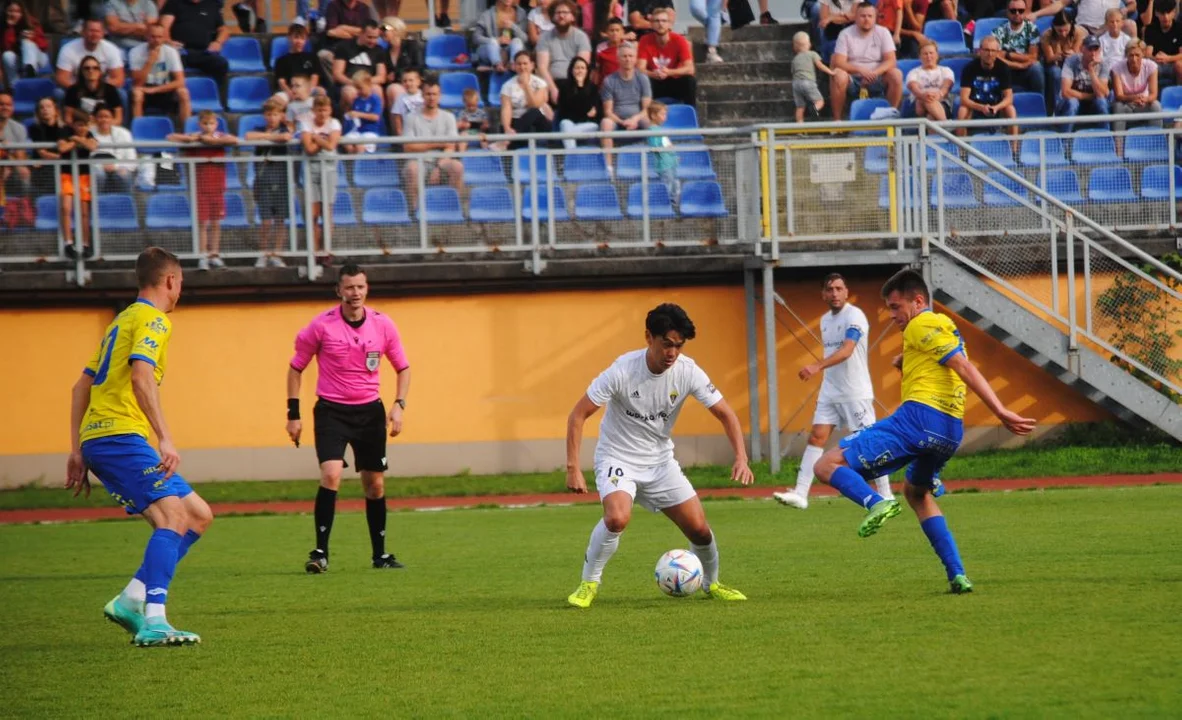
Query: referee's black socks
375, 515
326, 508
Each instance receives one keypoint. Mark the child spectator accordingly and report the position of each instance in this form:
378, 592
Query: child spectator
210, 178
805, 63
272, 181
365, 119
1113, 41
319, 134
47, 129
472, 120
409, 102
115, 176
298, 62
75, 142
607, 61
299, 101
664, 161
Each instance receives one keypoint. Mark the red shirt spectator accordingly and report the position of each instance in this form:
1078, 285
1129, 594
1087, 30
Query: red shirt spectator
675, 53
606, 59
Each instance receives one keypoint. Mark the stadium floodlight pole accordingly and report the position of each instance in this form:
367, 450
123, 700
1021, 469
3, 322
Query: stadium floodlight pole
752, 365
773, 396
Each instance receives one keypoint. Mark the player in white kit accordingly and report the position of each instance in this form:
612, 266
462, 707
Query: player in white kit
847, 397
644, 390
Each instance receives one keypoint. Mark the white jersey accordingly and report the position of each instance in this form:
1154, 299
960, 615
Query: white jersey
642, 407
849, 380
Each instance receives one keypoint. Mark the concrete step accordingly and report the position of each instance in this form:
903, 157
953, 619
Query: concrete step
739, 72
759, 51
743, 113
752, 33
745, 92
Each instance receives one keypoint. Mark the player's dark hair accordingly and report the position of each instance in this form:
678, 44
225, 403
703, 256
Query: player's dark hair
666, 317
908, 283
349, 270
831, 277
1161, 7
370, 23
151, 266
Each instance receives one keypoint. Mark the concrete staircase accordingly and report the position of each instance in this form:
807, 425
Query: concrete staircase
754, 85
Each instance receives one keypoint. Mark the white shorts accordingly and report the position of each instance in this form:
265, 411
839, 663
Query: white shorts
853, 415
655, 488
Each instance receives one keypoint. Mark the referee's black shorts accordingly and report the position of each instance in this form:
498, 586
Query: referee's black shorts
362, 426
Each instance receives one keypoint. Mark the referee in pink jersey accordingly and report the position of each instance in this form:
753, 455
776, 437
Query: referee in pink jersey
348, 342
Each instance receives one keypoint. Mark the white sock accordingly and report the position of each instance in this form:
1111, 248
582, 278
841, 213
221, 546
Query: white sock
883, 483
152, 611
708, 554
804, 478
135, 591
600, 549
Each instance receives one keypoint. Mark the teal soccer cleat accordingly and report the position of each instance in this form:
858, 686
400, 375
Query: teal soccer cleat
161, 634
126, 615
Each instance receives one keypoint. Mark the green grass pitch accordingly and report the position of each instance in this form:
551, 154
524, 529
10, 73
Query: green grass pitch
1076, 614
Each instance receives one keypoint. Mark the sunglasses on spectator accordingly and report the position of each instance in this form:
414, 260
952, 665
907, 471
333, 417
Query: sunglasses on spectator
1017, 11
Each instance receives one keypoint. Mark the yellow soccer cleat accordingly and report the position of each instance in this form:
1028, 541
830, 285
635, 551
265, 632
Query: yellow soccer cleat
718, 591
584, 594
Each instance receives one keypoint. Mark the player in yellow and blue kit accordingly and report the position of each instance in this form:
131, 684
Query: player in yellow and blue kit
925, 431
114, 404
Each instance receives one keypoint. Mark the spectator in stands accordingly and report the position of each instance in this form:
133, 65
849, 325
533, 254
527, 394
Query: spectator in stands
128, 21
319, 134
16, 180
1062, 40
626, 95
579, 106
1084, 87
364, 118
606, 59
158, 78
640, 13
432, 122
524, 107
805, 64
344, 22
890, 16
299, 104
441, 20
22, 44
90, 91
499, 34
197, 26
47, 129
352, 56
1048, 8
864, 60
668, 60
210, 144
75, 143
837, 15
662, 158
913, 19
931, 84
472, 120
559, 45
115, 176
709, 13
538, 22
409, 102
1019, 48
953, 10
299, 61
404, 53
1163, 38
604, 12
986, 90
91, 44
1090, 14
272, 180
1134, 86
1113, 41
50, 15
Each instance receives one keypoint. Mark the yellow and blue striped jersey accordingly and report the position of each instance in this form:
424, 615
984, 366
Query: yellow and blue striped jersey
141, 332
930, 340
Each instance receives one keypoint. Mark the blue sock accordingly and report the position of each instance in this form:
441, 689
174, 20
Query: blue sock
853, 486
936, 528
160, 558
187, 541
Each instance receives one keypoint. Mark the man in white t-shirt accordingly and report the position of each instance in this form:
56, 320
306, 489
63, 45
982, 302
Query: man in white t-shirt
644, 391
109, 56
864, 59
847, 396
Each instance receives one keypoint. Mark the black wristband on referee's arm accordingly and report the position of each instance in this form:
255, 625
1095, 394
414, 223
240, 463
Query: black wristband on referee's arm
293, 408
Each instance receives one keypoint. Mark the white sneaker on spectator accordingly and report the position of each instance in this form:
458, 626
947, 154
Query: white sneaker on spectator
217, 263
276, 262
262, 262
712, 55
203, 264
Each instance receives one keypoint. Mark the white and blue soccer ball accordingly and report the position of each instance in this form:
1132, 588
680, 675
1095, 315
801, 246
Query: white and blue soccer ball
679, 573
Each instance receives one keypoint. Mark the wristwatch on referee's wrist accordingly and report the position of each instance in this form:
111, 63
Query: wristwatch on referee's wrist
400, 403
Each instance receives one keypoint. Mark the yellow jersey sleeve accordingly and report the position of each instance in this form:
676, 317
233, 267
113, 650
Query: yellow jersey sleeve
929, 341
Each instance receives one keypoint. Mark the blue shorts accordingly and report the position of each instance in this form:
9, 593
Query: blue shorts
915, 435
129, 468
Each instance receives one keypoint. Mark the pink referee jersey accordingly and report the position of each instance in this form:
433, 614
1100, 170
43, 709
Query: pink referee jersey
349, 357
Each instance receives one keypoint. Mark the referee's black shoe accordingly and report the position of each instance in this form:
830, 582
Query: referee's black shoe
317, 562
387, 561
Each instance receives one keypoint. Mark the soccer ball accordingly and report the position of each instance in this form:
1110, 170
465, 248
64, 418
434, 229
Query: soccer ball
679, 573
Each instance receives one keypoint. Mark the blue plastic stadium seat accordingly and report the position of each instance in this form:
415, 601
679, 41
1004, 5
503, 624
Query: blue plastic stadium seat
958, 190
863, 109
495, 82
1111, 185
1044, 23
682, 117
491, 203
660, 207
452, 87
117, 213
628, 166
1155, 183
597, 201
236, 216
443, 51
1093, 147
342, 209
47, 208
1145, 145
169, 211
384, 206
27, 92
247, 94
996, 197
876, 160
527, 204
906, 66
375, 173
443, 206
483, 169
244, 54
984, 27
192, 125
521, 168
149, 129
1063, 184
1039, 147
1030, 104
1171, 98
585, 169
279, 47
203, 94
695, 165
957, 66
948, 36
702, 199
250, 123
996, 147
885, 190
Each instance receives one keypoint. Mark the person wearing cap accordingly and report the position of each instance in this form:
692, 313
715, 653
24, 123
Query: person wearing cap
1084, 84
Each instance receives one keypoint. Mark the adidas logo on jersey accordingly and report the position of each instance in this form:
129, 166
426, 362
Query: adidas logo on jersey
635, 395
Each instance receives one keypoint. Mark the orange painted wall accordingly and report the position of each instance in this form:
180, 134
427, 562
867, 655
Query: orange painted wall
485, 368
